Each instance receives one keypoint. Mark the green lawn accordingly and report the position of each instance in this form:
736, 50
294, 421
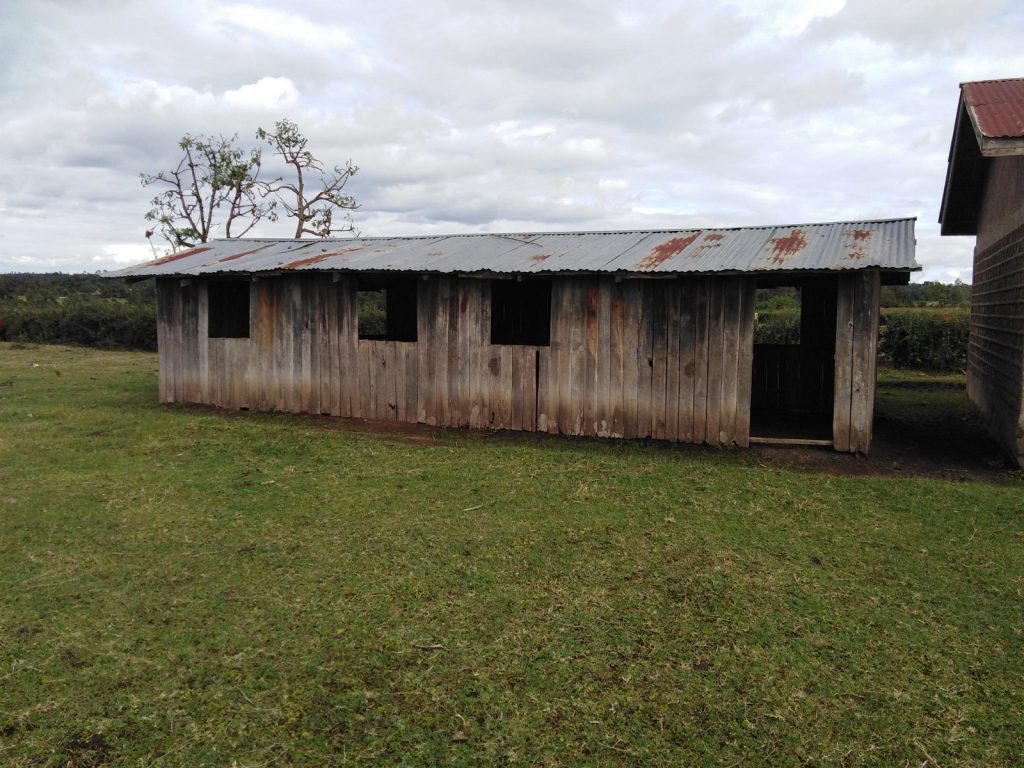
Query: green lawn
184, 587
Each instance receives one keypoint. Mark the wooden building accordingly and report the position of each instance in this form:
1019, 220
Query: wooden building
615, 334
984, 196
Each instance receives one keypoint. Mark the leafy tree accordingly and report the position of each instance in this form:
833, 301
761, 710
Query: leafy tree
310, 195
214, 178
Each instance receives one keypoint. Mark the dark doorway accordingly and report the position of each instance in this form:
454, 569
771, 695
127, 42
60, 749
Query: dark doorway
793, 384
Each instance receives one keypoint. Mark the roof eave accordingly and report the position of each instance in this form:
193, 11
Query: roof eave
965, 175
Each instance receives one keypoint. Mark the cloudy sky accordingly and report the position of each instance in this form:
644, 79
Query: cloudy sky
522, 115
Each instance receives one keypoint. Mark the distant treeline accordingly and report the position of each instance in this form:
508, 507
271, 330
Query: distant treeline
922, 326
87, 310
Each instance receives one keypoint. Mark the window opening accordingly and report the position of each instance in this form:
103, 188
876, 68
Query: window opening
227, 309
521, 312
386, 308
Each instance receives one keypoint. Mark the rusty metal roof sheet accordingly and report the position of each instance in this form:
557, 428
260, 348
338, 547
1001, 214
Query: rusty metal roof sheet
997, 107
837, 246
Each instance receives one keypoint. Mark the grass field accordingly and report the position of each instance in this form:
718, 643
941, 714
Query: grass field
183, 587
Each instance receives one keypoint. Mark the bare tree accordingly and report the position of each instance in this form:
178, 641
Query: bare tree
310, 195
213, 178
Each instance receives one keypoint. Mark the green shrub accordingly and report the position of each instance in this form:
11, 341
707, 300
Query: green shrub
779, 326
96, 323
928, 339
931, 339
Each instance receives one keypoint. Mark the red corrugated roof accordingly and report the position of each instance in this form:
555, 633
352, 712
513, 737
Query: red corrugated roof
997, 107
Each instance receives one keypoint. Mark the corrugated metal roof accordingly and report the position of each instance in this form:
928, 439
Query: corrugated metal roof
836, 246
997, 107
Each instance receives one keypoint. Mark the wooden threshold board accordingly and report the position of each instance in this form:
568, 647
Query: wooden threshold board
789, 441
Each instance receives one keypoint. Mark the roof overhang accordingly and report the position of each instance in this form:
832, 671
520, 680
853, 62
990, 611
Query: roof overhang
970, 151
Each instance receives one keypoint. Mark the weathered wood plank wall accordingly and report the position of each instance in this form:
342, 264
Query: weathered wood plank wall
855, 360
669, 359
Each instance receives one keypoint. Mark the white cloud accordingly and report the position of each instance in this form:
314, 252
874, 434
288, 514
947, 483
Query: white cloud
284, 26
265, 93
126, 253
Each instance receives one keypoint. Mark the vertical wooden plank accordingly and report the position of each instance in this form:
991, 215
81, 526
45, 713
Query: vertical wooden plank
603, 403
576, 318
454, 347
557, 373
615, 358
645, 359
368, 374
397, 376
844, 362
474, 334
218, 373
304, 356
516, 389
238, 361
261, 344
378, 379
364, 378
731, 289
630, 293
341, 404
505, 388
274, 311
411, 383
467, 327
188, 343
659, 380
440, 363
165, 339
591, 331
186, 327
672, 374
425, 396
285, 343
323, 336
531, 389
716, 333
382, 379
348, 341
685, 355
176, 343
311, 290
195, 373
300, 383
496, 398
561, 331
378, 382
543, 389
203, 338
280, 345
865, 339
229, 389
701, 317
249, 391
390, 383
745, 364
225, 395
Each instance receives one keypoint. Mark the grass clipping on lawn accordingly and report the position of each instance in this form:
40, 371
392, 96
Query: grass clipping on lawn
182, 586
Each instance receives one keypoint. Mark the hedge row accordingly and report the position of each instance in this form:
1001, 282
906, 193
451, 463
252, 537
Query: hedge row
930, 339
106, 324
923, 338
